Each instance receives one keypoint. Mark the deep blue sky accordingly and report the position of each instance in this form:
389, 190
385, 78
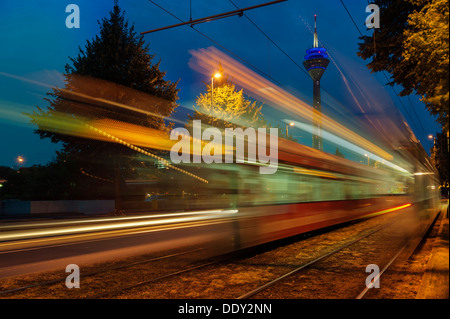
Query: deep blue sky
35, 45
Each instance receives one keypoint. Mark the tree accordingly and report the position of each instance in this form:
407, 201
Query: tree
95, 82
227, 107
412, 44
439, 157
339, 153
427, 48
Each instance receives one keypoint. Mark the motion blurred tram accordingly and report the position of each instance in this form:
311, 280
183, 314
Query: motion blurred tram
310, 190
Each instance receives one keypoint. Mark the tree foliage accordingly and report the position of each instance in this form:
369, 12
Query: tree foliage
113, 70
339, 153
58, 180
223, 106
412, 44
427, 48
228, 108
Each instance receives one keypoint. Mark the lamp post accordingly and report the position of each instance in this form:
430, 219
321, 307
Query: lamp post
20, 160
368, 159
287, 127
431, 136
216, 75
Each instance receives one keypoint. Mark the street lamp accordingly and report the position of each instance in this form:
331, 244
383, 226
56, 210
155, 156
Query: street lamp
287, 127
216, 75
431, 136
20, 160
368, 159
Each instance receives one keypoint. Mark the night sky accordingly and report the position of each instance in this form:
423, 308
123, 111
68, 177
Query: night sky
35, 46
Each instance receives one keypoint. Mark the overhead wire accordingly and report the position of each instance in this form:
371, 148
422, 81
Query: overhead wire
271, 40
281, 50
224, 48
384, 73
240, 58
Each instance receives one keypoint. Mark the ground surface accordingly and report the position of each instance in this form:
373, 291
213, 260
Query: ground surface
342, 276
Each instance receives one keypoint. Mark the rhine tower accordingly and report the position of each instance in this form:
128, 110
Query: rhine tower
316, 62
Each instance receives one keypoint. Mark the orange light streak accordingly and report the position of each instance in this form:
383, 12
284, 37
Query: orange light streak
389, 210
261, 88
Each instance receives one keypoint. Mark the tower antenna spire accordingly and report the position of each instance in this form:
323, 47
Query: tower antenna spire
316, 38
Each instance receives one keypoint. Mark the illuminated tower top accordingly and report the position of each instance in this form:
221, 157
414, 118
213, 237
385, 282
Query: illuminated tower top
316, 38
316, 59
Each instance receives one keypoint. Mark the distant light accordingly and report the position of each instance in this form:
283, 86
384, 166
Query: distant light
291, 124
430, 136
1, 185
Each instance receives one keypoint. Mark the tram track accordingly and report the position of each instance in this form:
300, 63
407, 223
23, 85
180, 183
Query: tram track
196, 267
97, 272
315, 261
272, 282
218, 267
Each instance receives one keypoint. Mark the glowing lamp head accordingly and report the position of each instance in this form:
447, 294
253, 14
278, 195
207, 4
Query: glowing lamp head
217, 75
291, 124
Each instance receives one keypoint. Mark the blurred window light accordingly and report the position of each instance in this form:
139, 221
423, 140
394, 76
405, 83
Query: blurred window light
350, 146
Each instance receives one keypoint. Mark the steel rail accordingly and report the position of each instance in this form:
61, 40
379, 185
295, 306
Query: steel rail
377, 277
272, 282
50, 282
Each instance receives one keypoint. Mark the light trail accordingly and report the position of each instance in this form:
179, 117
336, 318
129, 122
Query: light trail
119, 223
205, 60
389, 210
344, 143
108, 130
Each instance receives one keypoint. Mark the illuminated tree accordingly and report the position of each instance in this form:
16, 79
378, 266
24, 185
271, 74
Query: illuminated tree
228, 108
426, 46
412, 44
